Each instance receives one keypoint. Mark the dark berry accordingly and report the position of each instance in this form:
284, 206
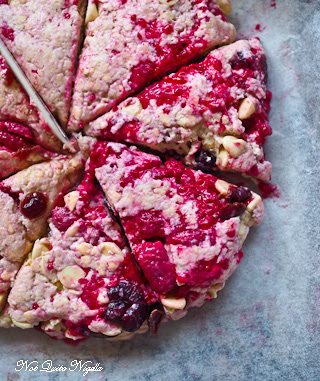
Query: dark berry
134, 317
205, 160
126, 291
115, 311
34, 205
238, 194
155, 320
232, 210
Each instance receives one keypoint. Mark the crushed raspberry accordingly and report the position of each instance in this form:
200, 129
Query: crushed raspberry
16, 128
6, 72
14, 195
7, 32
154, 262
62, 218
90, 290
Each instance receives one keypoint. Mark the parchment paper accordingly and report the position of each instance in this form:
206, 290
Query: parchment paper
265, 323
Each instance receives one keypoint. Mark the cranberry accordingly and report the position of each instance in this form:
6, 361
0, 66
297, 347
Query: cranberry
232, 210
238, 194
4, 2
126, 291
205, 160
155, 320
34, 205
115, 311
134, 317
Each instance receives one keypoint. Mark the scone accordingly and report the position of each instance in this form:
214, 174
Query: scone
185, 228
26, 201
82, 279
43, 36
213, 114
131, 43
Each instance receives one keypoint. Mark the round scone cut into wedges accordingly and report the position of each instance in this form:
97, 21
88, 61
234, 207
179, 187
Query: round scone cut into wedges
185, 228
130, 44
44, 36
82, 279
213, 114
26, 201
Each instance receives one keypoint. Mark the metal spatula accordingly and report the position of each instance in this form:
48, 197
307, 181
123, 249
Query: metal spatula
41, 106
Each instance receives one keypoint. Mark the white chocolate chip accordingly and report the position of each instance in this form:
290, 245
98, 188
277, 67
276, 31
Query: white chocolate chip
72, 230
109, 248
234, 146
213, 290
40, 246
223, 158
92, 12
254, 203
172, 2
84, 248
69, 335
246, 109
71, 200
225, 7
70, 276
22, 324
222, 187
133, 109
176, 304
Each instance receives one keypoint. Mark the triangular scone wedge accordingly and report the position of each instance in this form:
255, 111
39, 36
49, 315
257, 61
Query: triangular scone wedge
15, 106
43, 36
18, 150
130, 44
26, 201
213, 114
185, 228
82, 280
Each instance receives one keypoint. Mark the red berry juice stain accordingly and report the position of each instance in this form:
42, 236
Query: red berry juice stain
268, 190
273, 4
218, 332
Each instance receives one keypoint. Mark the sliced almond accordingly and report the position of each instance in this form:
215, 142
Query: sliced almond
72, 230
3, 299
134, 108
247, 109
70, 276
225, 6
92, 12
85, 248
175, 304
234, 146
39, 247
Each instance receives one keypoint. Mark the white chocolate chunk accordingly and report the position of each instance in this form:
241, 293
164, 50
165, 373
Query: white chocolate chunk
222, 187
172, 2
175, 304
40, 246
247, 108
213, 290
23, 325
225, 7
92, 12
84, 248
71, 200
234, 146
70, 276
109, 248
72, 230
133, 109
254, 203
223, 158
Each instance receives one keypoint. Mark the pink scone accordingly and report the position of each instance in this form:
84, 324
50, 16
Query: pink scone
213, 114
130, 44
185, 228
43, 36
82, 280
26, 201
